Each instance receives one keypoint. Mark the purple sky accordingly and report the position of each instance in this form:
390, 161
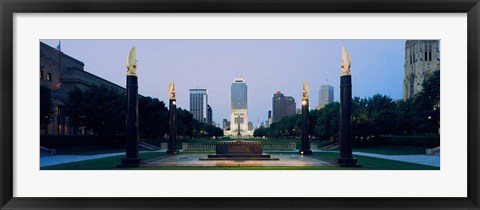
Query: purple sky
266, 65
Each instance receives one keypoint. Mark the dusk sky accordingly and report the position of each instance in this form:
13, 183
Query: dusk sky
266, 65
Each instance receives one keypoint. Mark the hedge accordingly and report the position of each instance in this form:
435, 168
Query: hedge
425, 141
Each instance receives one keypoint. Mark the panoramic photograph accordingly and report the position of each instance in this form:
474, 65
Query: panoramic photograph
223, 104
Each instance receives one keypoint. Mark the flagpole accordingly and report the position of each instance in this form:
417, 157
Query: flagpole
59, 48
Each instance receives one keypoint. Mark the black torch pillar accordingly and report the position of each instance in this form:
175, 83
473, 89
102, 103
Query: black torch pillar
305, 141
132, 159
345, 158
172, 140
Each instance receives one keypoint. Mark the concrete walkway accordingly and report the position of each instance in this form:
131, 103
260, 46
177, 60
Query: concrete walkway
60, 159
429, 160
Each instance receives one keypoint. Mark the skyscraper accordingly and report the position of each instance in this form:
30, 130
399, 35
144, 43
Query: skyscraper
198, 104
422, 58
290, 106
282, 106
239, 108
325, 95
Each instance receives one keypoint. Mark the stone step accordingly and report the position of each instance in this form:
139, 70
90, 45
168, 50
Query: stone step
148, 147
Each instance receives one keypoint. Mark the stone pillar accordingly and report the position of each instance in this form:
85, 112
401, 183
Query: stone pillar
345, 157
132, 159
305, 140
172, 140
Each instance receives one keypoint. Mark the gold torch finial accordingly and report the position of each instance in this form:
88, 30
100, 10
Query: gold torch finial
132, 62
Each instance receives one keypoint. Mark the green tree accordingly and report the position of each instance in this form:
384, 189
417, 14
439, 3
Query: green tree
382, 113
76, 108
408, 117
184, 123
328, 121
362, 126
428, 103
153, 118
202, 130
99, 109
260, 132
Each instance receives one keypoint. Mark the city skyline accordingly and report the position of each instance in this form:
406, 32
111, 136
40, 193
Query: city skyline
266, 65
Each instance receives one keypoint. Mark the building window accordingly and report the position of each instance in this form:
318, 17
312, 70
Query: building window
49, 77
426, 53
430, 53
412, 86
41, 74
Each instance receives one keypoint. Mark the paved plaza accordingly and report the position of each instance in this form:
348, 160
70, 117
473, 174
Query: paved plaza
285, 160
193, 160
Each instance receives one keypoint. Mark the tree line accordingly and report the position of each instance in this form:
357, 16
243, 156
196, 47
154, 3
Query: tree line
373, 116
102, 111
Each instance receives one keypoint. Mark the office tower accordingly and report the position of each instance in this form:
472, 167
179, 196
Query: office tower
325, 95
198, 104
282, 106
239, 108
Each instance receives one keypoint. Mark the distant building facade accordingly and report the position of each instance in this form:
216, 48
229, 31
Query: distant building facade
198, 104
239, 107
268, 122
226, 125
422, 58
250, 126
61, 73
282, 106
209, 115
325, 95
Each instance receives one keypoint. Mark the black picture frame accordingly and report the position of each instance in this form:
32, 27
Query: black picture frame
10, 7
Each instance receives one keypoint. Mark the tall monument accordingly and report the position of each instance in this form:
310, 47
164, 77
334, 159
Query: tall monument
132, 159
305, 127
239, 108
172, 122
345, 157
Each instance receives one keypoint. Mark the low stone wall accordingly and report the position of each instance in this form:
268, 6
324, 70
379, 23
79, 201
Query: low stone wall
211, 147
289, 146
198, 147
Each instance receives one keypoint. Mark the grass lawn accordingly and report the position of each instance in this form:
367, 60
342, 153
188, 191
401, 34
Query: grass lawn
108, 163
368, 163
